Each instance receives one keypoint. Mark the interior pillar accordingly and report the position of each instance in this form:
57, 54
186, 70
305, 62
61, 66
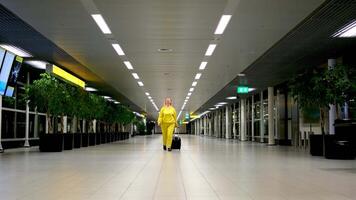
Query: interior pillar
270, 117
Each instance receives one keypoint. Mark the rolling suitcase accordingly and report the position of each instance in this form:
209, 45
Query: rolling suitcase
176, 142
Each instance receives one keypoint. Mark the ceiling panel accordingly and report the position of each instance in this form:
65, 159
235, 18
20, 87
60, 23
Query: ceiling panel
185, 26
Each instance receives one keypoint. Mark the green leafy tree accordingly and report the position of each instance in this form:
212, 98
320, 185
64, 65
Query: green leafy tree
322, 87
49, 95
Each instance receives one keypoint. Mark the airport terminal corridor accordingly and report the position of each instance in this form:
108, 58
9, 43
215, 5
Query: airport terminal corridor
206, 168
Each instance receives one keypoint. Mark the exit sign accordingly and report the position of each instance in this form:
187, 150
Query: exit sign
242, 90
187, 116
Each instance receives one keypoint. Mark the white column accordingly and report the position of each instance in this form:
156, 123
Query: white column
27, 131
276, 118
270, 117
332, 110
1, 149
65, 124
47, 121
35, 126
243, 120
262, 123
210, 125
94, 126
131, 130
206, 125
84, 128
220, 123
234, 121
228, 122
346, 111
253, 118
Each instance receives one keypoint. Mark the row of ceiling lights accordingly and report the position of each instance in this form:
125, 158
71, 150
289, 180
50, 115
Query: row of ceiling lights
224, 21
98, 18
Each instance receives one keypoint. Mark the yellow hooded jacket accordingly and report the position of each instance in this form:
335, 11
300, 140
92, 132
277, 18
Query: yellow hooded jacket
167, 115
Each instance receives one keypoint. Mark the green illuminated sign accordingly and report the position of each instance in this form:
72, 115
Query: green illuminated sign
187, 116
242, 90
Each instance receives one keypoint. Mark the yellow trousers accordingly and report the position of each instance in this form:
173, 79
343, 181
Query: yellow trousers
167, 133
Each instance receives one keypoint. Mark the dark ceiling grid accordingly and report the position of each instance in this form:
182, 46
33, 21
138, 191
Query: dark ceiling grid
15, 31
308, 44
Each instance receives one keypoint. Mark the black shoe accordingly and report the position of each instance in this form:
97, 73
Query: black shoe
169, 149
164, 147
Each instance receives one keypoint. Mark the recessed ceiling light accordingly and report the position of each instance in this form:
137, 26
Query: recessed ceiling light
186, 100
118, 49
191, 89
210, 50
90, 89
140, 83
203, 65
37, 64
222, 103
194, 83
128, 65
148, 94
197, 76
241, 75
106, 97
251, 89
187, 97
217, 105
116, 102
135, 76
101, 23
212, 108
16, 50
231, 98
189, 93
224, 21
149, 97
347, 31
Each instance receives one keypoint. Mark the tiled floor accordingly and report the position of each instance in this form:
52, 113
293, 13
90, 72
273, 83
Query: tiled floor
205, 169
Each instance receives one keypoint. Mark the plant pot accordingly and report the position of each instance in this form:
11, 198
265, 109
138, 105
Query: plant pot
98, 140
338, 148
68, 140
112, 135
77, 140
316, 145
92, 139
51, 143
85, 139
103, 138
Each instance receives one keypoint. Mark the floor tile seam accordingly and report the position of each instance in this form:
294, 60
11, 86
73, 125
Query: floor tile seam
103, 184
206, 180
225, 176
158, 178
127, 188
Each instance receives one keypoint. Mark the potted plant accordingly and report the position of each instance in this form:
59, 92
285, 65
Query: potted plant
49, 95
320, 88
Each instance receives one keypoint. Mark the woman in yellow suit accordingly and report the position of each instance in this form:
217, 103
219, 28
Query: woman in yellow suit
168, 121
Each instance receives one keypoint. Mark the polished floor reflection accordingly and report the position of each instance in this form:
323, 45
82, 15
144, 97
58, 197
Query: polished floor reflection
205, 169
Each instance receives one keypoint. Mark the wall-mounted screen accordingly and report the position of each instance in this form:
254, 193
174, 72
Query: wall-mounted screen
15, 71
9, 91
5, 71
2, 54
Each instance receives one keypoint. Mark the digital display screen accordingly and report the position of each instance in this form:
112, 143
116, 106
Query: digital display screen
2, 54
5, 71
9, 91
15, 71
